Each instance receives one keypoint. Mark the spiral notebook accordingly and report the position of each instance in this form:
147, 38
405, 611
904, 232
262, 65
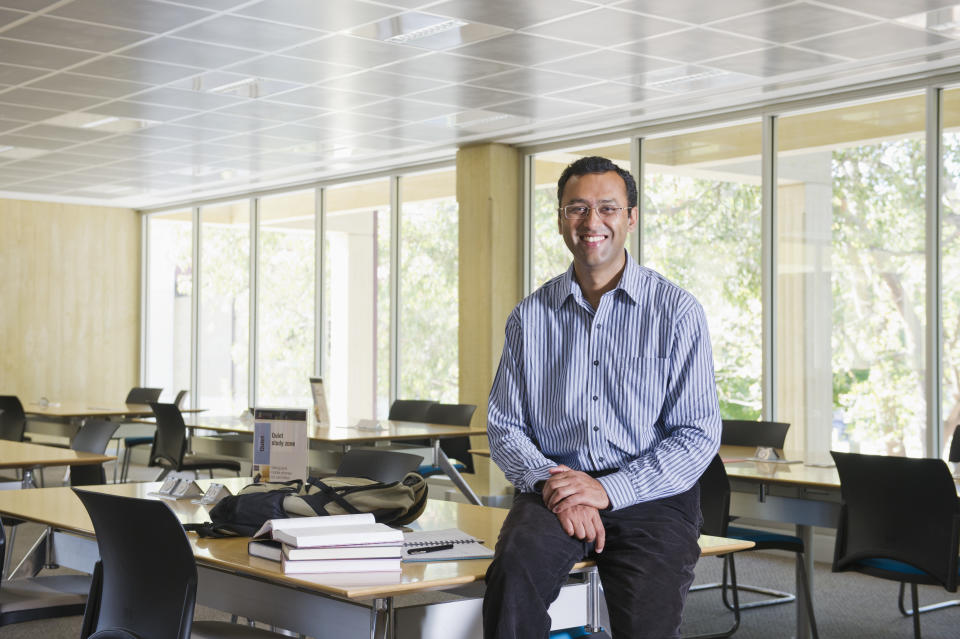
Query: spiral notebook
464, 546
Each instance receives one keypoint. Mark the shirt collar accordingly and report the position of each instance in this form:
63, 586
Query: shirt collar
629, 283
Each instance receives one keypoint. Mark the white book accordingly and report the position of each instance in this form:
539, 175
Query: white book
340, 565
295, 523
339, 536
367, 551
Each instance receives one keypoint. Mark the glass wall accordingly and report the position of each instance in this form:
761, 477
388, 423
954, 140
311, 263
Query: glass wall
224, 319
701, 228
548, 254
285, 299
357, 300
950, 266
851, 288
169, 266
429, 312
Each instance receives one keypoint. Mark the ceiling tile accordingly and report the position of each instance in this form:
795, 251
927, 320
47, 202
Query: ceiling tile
698, 11
687, 78
220, 121
26, 5
257, 142
271, 110
352, 122
793, 22
326, 98
605, 27
7, 17
135, 70
139, 111
65, 133
694, 45
10, 74
6, 125
774, 61
543, 108
522, 49
27, 114
893, 8
447, 67
404, 109
213, 5
79, 35
426, 132
608, 94
874, 40
291, 69
467, 97
249, 33
608, 65
349, 50
380, 83
374, 142
15, 139
507, 13
108, 153
329, 16
188, 52
300, 132
244, 86
48, 99
144, 15
88, 85
187, 99
39, 55
532, 81
179, 132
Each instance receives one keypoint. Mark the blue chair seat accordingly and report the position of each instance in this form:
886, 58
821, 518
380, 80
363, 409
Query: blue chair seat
893, 566
764, 539
429, 469
137, 441
570, 633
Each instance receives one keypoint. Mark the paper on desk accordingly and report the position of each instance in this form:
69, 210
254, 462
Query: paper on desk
368, 424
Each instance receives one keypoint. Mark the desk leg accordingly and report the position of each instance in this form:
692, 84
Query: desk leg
805, 533
440, 459
26, 478
593, 600
381, 618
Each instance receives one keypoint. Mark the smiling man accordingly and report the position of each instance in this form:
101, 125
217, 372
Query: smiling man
603, 414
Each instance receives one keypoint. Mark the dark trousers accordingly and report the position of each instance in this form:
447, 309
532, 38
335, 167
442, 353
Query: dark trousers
646, 567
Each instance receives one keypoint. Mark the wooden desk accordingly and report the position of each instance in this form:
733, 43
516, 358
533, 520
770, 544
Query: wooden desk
344, 437
28, 457
320, 606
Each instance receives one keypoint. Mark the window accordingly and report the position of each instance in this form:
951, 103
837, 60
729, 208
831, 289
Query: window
357, 300
701, 228
429, 313
549, 255
851, 288
950, 266
224, 277
169, 266
285, 299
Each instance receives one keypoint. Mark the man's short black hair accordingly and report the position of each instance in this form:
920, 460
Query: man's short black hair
597, 164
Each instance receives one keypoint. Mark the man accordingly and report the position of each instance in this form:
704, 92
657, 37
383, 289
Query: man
604, 414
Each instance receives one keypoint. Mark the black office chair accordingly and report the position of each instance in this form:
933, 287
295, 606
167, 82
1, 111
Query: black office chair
715, 509
410, 410
142, 440
954, 454
145, 595
170, 446
454, 447
143, 395
92, 437
739, 432
13, 421
379, 465
899, 520
40, 597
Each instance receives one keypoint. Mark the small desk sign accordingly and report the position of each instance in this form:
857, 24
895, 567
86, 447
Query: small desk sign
179, 488
320, 412
166, 489
214, 493
280, 443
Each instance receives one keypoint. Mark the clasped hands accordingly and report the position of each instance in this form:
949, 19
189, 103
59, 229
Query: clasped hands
576, 499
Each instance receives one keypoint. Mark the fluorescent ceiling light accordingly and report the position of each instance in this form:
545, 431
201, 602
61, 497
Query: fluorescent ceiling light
426, 32
231, 86
4, 149
107, 120
100, 122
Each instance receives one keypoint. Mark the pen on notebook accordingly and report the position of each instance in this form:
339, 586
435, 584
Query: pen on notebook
418, 551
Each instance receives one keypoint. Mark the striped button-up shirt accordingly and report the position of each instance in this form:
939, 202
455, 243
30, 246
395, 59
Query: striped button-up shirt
627, 388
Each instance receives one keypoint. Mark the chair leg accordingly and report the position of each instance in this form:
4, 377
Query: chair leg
776, 596
916, 611
736, 602
163, 474
125, 466
807, 596
929, 607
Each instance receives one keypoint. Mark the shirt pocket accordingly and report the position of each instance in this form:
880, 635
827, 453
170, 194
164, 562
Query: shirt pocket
643, 388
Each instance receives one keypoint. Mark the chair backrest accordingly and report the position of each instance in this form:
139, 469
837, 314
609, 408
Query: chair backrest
13, 421
898, 508
92, 437
170, 442
715, 499
410, 410
954, 455
455, 415
379, 465
181, 397
149, 578
740, 432
141, 395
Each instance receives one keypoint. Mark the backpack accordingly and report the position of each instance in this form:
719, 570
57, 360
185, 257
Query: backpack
241, 515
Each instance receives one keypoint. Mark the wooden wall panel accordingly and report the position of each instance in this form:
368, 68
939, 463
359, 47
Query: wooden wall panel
69, 301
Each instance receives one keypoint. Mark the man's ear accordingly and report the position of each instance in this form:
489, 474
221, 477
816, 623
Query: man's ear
633, 214
559, 222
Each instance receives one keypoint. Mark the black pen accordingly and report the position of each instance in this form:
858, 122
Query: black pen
423, 549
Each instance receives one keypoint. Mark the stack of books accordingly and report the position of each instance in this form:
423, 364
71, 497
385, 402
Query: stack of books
338, 543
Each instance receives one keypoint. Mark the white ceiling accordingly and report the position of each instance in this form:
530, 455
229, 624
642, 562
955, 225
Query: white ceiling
145, 102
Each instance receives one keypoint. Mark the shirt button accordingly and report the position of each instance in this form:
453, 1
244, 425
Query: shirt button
596, 362
596, 428
599, 326
601, 459
595, 398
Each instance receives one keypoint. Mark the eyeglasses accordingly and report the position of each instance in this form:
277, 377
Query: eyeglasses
582, 211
